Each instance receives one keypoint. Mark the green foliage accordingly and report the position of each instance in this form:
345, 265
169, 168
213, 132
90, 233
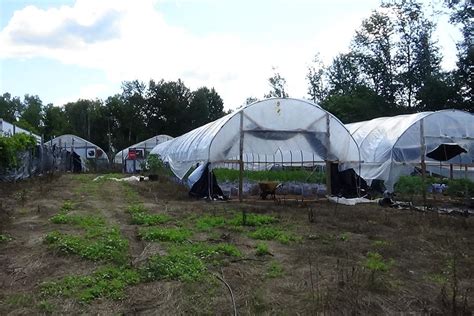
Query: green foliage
164, 234
83, 221
103, 244
270, 233
5, 238
140, 216
206, 251
252, 219
67, 206
149, 219
106, 282
155, 165
374, 262
274, 175
411, 185
460, 188
46, 307
274, 270
10, 147
262, 249
380, 243
175, 266
208, 222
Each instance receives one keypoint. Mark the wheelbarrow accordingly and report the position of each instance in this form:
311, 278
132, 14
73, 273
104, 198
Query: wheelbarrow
267, 188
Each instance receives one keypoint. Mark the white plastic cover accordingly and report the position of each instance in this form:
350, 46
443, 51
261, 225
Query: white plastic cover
79, 145
9, 129
272, 128
392, 146
146, 145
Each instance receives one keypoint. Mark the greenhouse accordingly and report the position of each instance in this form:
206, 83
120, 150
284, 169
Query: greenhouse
81, 155
441, 143
131, 158
272, 132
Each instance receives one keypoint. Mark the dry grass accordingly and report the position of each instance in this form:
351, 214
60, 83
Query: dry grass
429, 257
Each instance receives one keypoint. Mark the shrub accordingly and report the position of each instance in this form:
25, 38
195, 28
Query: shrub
460, 188
411, 185
11, 146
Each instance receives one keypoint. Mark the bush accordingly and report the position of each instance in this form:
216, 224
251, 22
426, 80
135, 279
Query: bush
10, 147
411, 185
460, 188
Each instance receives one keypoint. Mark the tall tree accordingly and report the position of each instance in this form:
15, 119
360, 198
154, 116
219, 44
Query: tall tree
31, 116
55, 122
9, 107
316, 73
278, 86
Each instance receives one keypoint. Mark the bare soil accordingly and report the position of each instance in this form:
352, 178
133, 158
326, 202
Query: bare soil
430, 257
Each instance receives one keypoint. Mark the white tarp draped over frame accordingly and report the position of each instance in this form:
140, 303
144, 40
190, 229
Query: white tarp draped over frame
392, 146
79, 145
146, 145
272, 127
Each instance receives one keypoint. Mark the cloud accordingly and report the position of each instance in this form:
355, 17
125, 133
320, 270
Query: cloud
131, 40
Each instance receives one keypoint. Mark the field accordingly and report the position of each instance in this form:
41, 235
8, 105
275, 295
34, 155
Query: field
72, 245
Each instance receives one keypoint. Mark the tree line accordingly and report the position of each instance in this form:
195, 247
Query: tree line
392, 67
139, 112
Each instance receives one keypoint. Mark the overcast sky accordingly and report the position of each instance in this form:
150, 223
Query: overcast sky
63, 50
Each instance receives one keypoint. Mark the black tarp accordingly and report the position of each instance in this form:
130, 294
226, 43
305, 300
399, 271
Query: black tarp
445, 152
346, 183
206, 186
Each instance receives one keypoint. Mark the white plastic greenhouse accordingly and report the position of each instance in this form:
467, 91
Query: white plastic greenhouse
80, 150
140, 152
394, 146
270, 132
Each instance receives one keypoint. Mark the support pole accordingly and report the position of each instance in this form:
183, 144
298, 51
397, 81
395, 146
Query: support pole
328, 163
241, 156
422, 156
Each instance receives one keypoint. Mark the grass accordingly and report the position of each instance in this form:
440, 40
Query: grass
98, 245
164, 234
271, 233
274, 270
277, 175
262, 249
106, 282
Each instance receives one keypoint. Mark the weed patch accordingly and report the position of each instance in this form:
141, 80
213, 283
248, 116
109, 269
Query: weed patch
274, 270
107, 282
175, 266
206, 223
262, 249
140, 216
5, 238
86, 221
252, 220
97, 245
164, 234
270, 233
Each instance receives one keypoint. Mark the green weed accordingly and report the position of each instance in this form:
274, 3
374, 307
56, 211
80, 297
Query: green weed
175, 266
208, 222
97, 245
67, 206
83, 221
46, 307
107, 282
252, 219
380, 243
164, 234
375, 263
274, 270
19, 300
262, 249
270, 233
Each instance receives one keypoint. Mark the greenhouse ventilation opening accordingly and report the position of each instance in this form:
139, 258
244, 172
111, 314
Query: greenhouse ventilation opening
132, 157
440, 143
264, 134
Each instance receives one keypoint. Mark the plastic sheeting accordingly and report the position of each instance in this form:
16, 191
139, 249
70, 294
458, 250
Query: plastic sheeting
392, 146
271, 128
146, 145
80, 146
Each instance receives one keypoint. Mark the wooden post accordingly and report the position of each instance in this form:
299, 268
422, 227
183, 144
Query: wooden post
422, 156
451, 171
241, 156
328, 163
